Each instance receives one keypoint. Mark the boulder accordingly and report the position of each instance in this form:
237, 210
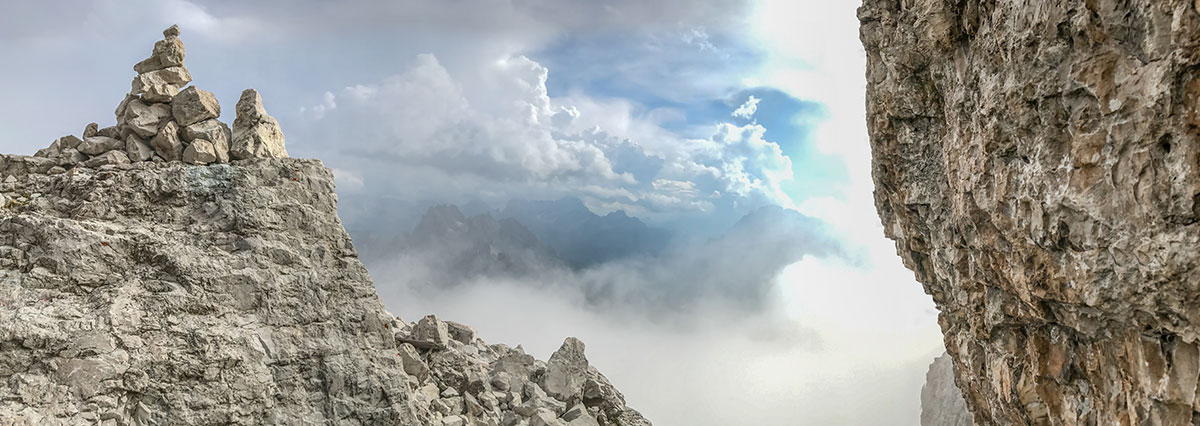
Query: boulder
255, 133
566, 371
111, 132
137, 149
68, 142
167, 144
193, 105
214, 131
121, 107
161, 85
168, 52
90, 130
413, 364
107, 158
460, 332
72, 156
145, 120
52, 151
97, 145
429, 333
200, 151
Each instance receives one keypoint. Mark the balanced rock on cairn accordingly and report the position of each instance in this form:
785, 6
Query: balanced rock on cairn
164, 119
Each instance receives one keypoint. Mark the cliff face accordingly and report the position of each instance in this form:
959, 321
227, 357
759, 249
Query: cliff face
941, 402
1036, 163
171, 294
203, 278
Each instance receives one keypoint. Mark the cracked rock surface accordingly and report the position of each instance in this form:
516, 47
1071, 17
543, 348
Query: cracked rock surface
1036, 164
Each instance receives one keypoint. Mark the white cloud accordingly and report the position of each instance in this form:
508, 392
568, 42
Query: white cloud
503, 133
747, 109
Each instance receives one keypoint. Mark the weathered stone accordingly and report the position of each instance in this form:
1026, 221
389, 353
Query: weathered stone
161, 85
97, 145
167, 143
1036, 164
255, 134
200, 151
68, 142
73, 156
137, 149
214, 131
121, 108
193, 105
145, 120
168, 52
460, 332
90, 130
110, 132
52, 151
429, 333
115, 158
566, 371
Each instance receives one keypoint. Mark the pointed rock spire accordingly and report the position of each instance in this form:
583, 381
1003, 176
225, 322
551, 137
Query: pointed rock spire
255, 133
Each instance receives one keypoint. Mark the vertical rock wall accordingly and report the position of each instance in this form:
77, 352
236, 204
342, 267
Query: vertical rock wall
1036, 164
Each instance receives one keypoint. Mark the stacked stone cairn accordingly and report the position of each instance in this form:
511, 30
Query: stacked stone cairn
159, 121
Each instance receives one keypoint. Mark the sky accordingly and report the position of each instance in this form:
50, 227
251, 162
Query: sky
687, 114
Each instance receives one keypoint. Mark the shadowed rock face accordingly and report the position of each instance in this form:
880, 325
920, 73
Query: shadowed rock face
1036, 163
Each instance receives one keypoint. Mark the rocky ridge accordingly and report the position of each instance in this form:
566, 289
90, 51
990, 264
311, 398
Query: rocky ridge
219, 287
1037, 165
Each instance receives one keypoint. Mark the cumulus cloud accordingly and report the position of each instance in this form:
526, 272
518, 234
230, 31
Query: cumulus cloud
510, 137
747, 109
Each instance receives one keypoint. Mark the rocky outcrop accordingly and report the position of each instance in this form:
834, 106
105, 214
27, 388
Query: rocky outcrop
1036, 163
141, 290
941, 402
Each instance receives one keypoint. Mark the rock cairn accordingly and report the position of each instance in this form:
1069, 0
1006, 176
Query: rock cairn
164, 119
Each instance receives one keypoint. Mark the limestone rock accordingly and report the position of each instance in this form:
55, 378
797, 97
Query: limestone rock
1036, 164
941, 402
193, 105
566, 371
97, 145
90, 130
214, 131
110, 132
460, 332
160, 85
145, 120
114, 157
68, 142
73, 156
255, 133
168, 52
137, 149
180, 302
429, 333
200, 151
167, 144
